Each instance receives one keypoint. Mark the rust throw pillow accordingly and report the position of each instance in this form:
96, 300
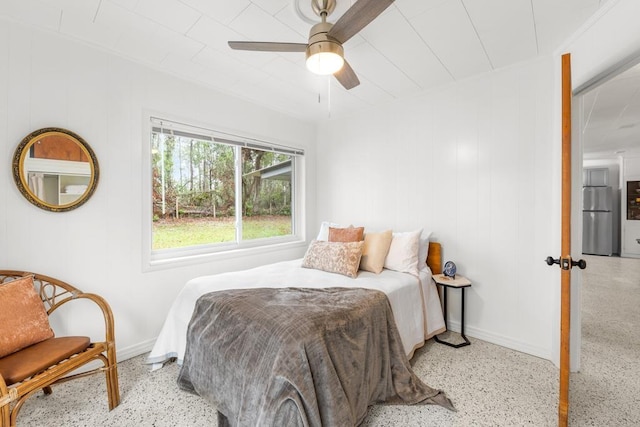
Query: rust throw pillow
346, 235
23, 319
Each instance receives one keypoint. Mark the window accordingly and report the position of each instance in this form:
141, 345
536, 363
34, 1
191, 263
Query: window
213, 191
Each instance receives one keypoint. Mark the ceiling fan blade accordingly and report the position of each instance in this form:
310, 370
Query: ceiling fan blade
269, 46
346, 76
356, 18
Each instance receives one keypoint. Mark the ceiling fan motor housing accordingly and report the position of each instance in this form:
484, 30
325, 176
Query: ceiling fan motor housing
320, 42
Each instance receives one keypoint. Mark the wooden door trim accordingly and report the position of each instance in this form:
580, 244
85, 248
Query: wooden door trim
565, 249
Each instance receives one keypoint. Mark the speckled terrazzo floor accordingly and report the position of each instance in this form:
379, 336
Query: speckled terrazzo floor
490, 385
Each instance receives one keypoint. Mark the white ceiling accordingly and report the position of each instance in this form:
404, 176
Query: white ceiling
611, 122
412, 46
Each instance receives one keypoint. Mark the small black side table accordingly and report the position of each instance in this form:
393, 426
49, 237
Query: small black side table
461, 283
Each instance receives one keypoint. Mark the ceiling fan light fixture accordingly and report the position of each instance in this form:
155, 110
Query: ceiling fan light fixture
325, 57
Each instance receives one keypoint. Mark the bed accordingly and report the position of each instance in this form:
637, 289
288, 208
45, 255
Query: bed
254, 379
414, 300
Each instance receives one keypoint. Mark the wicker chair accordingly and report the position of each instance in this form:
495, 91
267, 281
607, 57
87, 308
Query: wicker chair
52, 361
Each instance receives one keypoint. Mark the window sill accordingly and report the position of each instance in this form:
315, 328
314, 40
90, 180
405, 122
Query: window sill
176, 259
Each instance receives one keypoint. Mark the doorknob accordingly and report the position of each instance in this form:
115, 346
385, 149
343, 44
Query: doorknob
551, 260
566, 263
582, 264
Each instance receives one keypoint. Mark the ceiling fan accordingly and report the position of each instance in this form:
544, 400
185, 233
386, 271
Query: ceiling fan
324, 51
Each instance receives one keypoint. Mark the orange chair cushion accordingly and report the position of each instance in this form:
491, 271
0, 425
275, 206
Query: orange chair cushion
38, 357
23, 319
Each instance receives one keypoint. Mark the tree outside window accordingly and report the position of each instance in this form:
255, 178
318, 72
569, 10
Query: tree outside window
208, 192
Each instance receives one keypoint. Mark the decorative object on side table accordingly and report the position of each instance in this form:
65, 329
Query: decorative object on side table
446, 282
449, 269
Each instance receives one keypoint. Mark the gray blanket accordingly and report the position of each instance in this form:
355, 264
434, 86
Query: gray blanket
298, 357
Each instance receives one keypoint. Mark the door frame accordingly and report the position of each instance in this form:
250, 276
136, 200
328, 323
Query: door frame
577, 158
577, 154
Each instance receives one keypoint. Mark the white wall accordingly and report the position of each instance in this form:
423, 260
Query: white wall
45, 81
477, 163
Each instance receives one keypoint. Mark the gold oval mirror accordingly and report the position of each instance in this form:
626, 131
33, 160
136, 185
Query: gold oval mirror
55, 169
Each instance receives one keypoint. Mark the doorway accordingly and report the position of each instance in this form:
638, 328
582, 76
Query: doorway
607, 136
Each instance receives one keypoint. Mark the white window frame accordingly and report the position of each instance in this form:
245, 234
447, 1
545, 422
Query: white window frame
156, 259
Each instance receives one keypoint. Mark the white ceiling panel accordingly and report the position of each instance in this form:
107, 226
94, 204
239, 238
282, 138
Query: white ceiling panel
86, 8
635, 101
170, 13
371, 64
272, 7
617, 93
557, 20
128, 4
289, 18
213, 34
122, 20
447, 29
257, 25
515, 19
36, 13
411, 8
612, 115
630, 117
221, 11
143, 48
139, 37
404, 48
414, 45
603, 118
77, 23
179, 45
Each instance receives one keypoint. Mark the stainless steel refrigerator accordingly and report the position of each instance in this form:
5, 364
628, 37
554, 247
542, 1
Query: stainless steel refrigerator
597, 221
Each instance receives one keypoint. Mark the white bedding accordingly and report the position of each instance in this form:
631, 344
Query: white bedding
414, 301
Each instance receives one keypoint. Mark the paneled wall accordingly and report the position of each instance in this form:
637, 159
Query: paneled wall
476, 163
46, 80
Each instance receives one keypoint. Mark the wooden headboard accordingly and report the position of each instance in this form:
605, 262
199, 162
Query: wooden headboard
434, 258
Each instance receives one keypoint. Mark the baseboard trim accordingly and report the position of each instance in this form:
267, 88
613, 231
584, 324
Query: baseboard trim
134, 350
501, 340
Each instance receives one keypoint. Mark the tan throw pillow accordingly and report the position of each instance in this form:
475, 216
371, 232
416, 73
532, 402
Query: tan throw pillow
349, 234
375, 249
23, 319
334, 257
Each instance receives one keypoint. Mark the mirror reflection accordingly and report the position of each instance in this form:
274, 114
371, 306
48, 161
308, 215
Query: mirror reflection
55, 169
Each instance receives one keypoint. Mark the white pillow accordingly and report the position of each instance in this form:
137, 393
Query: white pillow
423, 251
323, 234
403, 252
